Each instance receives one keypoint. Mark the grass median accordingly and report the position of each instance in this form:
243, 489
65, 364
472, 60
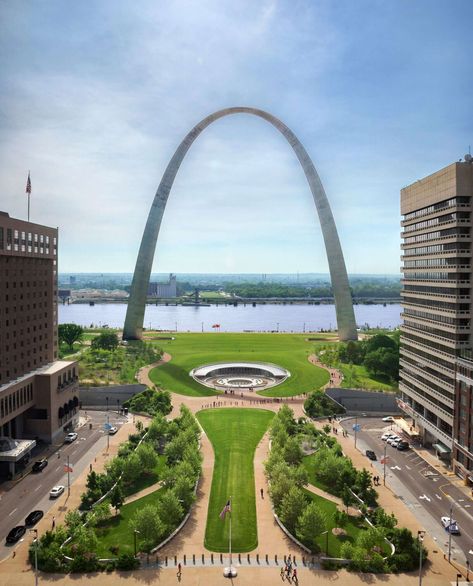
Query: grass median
234, 434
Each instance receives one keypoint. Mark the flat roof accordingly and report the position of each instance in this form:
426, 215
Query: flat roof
56, 366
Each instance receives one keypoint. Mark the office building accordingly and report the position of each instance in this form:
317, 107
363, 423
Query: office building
463, 434
38, 393
436, 299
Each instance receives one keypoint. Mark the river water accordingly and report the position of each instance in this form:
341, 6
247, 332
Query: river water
262, 318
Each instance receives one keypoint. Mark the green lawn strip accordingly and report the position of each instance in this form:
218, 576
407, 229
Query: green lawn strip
117, 531
290, 351
234, 434
146, 480
353, 527
356, 376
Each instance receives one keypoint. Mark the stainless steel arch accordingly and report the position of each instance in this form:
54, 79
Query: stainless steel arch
136, 306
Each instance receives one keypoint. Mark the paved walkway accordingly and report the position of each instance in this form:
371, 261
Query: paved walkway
141, 493
336, 376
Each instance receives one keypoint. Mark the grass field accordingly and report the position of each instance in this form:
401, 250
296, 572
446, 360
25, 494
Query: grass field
234, 434
357, 377
290, 351
118, 532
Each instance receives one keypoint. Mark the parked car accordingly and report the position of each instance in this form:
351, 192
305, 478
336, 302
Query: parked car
56, 491
33, 518
371, 455
396, 442
386, 435
450, 525
39, 465
403, 445
112, 430
15, 534
392, 439
70, 437
388, 419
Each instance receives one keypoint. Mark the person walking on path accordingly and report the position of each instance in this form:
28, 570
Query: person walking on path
53, 523
262, 492
179, 570
281, 573
294, 575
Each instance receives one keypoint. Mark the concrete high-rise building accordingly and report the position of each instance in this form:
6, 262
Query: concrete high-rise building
38, 393
436, 298
463, 442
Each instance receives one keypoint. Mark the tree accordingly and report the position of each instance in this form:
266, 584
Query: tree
293, 504
292, 451
170, 510
116, 497
347, 497
132, 468
101, 513
184, 490
310, 525
70, 333
151, 529
105, 341
340, 518
147, 456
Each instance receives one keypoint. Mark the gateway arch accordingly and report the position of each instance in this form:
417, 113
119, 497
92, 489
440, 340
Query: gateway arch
343, 302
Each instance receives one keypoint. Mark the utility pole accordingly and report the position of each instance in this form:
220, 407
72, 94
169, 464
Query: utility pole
68, 478
420, 539
450, 533
384, 465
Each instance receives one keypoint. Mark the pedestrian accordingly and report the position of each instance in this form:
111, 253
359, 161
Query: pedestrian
281, 573
179, 570
90, 467
261, 491
294, 575
54, 523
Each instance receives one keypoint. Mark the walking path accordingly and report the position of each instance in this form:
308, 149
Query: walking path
336, 375
334, 499
141, 493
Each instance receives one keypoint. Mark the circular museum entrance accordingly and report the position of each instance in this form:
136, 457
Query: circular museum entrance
224, 376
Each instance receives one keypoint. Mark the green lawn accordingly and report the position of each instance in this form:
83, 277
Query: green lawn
290, 351
117, 530
356, 376
234, 434
353, 527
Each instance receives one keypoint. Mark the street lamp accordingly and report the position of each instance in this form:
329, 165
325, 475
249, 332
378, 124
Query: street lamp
458, 577
118, 406
135, 532
450, 522
420, 539
277, 327
35, 541
106, 398
326, 541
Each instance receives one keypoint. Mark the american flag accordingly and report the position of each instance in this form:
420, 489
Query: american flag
28, 184
226, 509
67, 468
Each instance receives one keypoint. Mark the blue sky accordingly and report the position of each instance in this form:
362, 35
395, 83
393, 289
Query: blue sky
96, 95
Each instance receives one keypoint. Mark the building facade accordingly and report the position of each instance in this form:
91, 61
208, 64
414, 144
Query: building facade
463, 442
436, 299
164, 290
38, 393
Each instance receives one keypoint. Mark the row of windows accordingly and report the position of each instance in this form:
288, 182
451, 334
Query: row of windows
24, 240
437, 221
433, 304
16, 400
426, 355
439, 276
434, 262
432, 330
447, 248
439, 318
427, 289
458, 232
66, 377
442, 205
437, 345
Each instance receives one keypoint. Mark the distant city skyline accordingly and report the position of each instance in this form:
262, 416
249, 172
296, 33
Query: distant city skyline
96, 97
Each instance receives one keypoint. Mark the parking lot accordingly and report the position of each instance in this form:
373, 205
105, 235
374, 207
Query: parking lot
427, 490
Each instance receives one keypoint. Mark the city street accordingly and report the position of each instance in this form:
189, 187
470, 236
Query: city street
425, 489
31, 492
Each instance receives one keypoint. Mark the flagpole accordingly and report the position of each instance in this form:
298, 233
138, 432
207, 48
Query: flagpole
68, 478
230, 536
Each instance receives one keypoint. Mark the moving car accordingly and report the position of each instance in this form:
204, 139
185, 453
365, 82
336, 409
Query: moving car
371, 455
450, 525
402, 445
56, 491
112, 430
39, 465
33, 518
15, 534
70, 437
388, 419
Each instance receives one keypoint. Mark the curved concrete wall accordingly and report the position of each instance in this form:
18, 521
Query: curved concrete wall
343, 302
